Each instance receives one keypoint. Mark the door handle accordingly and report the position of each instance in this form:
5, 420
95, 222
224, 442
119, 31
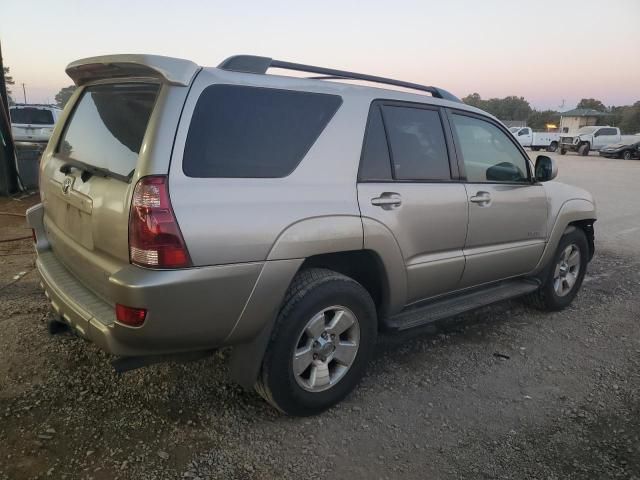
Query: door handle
387, 200
481, 198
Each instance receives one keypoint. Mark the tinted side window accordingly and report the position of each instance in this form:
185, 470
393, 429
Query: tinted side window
375, 163
489, 155
607, 131
249, 132
418, 147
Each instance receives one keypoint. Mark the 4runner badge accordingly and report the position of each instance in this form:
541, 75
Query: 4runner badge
66, 185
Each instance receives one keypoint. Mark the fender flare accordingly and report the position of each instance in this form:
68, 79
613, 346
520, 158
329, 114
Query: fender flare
314, 236
571, 211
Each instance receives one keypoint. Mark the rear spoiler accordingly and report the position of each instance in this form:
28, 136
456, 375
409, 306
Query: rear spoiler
174, 71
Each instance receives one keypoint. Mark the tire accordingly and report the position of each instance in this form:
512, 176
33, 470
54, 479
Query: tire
552, 147
311, 304
547, 297
563, 151
626, 155
583, 149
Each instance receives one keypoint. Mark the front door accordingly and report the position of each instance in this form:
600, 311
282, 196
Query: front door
507, 210
407, 185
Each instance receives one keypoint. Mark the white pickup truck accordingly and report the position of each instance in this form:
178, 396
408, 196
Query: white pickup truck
536, 140
592, 138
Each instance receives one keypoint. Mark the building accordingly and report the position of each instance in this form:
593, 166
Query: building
580, 117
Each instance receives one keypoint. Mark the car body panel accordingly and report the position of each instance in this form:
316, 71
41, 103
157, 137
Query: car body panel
248, 237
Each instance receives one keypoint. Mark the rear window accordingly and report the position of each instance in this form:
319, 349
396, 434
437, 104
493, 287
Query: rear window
107, 126
31, 115
251, 132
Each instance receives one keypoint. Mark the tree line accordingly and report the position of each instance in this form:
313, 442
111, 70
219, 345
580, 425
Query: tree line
627, 117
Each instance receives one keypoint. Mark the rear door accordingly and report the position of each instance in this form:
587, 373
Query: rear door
86, 179
507, 210
408, 183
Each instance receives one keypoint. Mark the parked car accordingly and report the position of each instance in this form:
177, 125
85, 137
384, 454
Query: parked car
591, 138
627, 151
537, 140
290, 218
33, 123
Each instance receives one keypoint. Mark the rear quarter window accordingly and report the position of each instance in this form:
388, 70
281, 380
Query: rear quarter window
253, 132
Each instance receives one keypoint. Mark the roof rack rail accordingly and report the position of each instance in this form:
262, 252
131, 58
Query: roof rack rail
255, 64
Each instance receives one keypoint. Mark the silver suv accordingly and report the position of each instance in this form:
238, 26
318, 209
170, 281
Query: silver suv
188, 208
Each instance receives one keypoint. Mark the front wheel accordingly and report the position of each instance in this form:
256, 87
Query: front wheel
626, 155
565, 275
584, 149
323, 339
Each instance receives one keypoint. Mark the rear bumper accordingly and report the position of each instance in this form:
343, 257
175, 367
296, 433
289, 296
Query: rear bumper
188, 309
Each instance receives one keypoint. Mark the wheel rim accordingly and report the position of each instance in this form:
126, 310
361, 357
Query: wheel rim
326, 348
567, 270
627, 156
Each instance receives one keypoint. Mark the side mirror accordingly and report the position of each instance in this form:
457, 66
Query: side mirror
546, 168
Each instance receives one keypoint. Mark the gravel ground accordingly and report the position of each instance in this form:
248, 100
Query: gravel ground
505, 392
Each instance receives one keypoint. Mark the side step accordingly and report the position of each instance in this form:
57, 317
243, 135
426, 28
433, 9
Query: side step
460, 303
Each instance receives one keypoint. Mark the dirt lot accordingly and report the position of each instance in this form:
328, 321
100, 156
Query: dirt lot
506, 392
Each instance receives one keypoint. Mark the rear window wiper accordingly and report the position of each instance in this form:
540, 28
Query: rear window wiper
89, 170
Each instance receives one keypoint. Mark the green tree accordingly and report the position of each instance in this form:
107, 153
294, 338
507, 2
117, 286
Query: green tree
592, 103
474, 100
63, 96
630, 122
8, 80
538, 120
508, 108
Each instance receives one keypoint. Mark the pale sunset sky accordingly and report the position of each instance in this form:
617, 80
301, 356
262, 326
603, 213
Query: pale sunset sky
546, 51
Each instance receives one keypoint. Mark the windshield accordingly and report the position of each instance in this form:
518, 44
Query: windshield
107, 126
31, 115
587, 130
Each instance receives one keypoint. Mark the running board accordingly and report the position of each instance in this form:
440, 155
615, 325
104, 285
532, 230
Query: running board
457, 304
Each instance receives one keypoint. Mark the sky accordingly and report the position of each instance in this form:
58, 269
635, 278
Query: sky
553, 53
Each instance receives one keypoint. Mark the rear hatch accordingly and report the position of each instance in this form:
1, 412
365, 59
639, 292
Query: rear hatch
31, 124
86, 179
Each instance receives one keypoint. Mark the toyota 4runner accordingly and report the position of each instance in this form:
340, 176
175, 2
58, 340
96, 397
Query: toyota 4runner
188, 208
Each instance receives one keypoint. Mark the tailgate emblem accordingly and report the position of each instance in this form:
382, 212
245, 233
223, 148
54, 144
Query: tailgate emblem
66, 185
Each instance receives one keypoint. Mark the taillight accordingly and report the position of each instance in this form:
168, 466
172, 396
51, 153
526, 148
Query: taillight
134, 317
154, 236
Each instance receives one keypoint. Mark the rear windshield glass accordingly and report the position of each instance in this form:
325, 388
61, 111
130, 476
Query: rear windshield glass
32, 115
249, 132
107, 126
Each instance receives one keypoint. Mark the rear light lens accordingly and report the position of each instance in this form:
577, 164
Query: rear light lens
155, 240
133, 317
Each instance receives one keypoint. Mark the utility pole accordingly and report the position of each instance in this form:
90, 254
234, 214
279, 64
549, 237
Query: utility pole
24, 93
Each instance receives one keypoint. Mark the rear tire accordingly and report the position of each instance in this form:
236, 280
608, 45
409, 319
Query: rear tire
563, 151
308, 352
583, 150
564, 277
552, 147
